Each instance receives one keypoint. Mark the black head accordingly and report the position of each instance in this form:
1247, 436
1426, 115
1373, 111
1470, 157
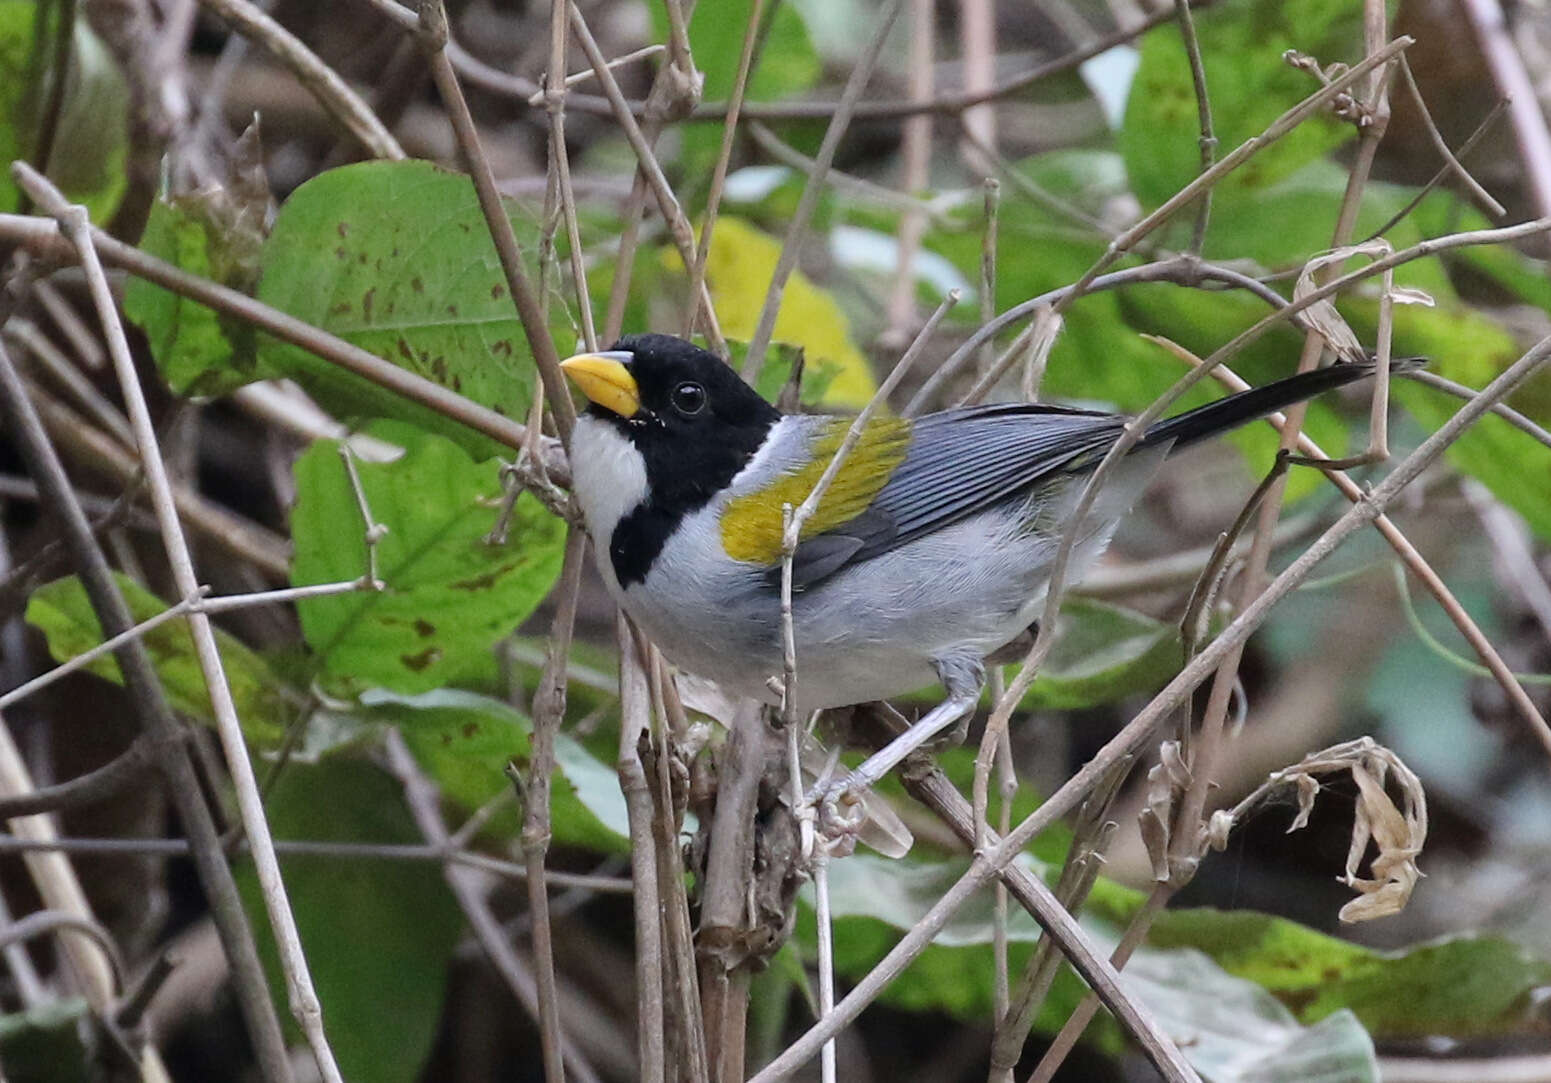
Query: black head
694, 421
676, 402
687, 389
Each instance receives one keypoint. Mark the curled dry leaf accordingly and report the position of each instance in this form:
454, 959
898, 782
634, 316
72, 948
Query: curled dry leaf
1398, 831
1410, 295
1322, 314
1398, 835
1166, 784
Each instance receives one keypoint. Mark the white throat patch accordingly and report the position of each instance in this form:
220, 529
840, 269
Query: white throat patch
609, 476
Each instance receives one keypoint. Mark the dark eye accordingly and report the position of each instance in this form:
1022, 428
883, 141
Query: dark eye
689, 398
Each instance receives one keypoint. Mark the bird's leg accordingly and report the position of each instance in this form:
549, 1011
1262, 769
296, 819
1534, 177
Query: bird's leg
962, 676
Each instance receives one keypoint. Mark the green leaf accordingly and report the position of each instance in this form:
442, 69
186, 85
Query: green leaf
1249, 86
378, 934
1097, 357
197, 351
465, 741
1307, 204
451, 595
785, 64
46, 1044
87, 159
1465, 346
1103, 653
1238, 1030
396, 258
61, 611
1460, 987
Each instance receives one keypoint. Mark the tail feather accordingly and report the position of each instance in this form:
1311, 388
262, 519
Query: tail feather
1235, 410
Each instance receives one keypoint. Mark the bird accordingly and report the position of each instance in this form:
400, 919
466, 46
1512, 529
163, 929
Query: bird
931, 549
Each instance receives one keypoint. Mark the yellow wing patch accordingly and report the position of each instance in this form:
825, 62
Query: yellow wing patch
751, 524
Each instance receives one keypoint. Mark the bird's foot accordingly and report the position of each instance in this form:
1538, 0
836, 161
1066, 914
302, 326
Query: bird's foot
840, 814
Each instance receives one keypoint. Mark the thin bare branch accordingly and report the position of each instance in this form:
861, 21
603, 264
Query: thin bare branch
635, 722
321, 848
1142, 727
1434, 583
424, 805
548, 711
538, 97
304, 999
249, 541
1208, 139
560, 168
667, 202
156, 719
1451, 163
499, 82
713, 201
977, 44
1443, 173
797, 228
916, 150
433, 39
332, 92
43, 238
1237, 157
1181, 270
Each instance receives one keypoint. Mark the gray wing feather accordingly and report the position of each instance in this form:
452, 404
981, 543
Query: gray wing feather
959, 462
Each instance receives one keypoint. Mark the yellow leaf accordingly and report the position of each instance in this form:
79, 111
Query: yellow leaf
738, 271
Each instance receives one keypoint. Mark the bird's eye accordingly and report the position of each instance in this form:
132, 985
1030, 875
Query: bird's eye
689, 398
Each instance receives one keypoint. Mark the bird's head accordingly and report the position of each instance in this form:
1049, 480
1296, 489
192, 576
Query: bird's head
665, 382
689, 415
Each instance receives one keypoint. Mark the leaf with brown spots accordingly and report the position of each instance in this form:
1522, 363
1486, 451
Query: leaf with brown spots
417, 282
451, 595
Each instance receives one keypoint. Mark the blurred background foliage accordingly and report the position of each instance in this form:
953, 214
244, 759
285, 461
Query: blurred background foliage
394, 257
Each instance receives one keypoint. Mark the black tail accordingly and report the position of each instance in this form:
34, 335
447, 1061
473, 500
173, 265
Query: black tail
1235, 410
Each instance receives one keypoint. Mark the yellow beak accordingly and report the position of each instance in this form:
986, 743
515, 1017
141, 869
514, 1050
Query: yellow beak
605, 379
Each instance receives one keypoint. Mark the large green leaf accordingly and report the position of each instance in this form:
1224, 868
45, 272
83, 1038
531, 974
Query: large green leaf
61, 611
396, 258
1467, 347
87, 159
1459, 987
465, 741
1239, 1032
1307, 204
451, 594
378, 934
1249, 85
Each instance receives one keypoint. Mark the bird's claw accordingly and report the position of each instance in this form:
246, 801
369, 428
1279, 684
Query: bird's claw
840, 815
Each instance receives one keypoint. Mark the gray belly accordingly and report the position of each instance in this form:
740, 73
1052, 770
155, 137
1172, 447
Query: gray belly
873, 629
869, 632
